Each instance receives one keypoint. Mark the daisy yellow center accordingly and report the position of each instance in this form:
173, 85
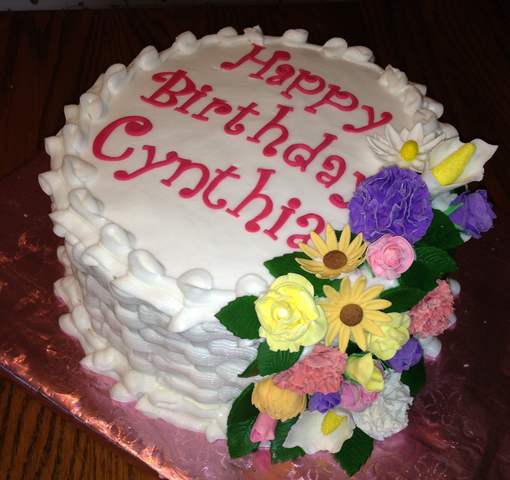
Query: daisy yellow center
351, 314
409, 150
335, 259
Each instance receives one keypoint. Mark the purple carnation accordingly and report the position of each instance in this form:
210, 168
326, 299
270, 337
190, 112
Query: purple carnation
408, 356
394, 201
323, 401
475, 215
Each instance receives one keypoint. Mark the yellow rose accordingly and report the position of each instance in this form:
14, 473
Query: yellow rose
396, 333
277, 402
288, 314
363, 370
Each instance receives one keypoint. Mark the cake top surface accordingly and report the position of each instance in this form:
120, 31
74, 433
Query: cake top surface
221, 153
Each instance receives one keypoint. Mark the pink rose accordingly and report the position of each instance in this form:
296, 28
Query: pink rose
390, 256
320, 371
354, 398
430, 316
263, 428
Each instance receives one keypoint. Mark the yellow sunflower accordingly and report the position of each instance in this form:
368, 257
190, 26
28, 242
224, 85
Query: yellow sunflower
352, 311
331, 257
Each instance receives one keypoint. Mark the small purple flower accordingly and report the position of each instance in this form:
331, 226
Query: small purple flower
408, 356
323, 401
394, 201
475, 215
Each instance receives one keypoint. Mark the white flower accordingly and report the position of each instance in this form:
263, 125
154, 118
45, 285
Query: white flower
431, 346
307, 433
388, 414
453, 164
407, 149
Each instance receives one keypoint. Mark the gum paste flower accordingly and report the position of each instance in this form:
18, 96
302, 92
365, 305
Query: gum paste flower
288, 314
331, 257
394, 201
407, 149
352, 311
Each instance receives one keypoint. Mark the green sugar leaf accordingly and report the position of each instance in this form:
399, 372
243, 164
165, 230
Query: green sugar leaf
437, 260
285, 264
269, 362
240, 421
441, 233
402, 298
418, 276
251, 370
240, 318
278, 452
415, 378
355, 452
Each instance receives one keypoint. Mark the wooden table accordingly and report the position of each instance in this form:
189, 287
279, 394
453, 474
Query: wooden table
459, 49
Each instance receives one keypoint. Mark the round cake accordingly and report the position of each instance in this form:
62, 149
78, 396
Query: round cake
196, 185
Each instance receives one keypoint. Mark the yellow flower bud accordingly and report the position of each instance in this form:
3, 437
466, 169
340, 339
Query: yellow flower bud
277, 402
396, 333
331, 422
451, 168
363, 370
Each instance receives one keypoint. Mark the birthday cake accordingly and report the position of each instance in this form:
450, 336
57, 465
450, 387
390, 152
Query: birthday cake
258, 234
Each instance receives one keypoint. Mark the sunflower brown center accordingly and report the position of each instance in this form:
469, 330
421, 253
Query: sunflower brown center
351, 314
335, 259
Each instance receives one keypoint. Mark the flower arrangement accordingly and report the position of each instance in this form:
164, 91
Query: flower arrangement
343, 326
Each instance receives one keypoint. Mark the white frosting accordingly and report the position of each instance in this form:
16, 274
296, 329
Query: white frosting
146, 270
388, 414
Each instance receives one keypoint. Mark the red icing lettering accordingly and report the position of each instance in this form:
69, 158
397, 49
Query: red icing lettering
134, 126
386, 117
234, 125
299, 160
305, 77
221, 175
165, 96
184, 166
150, 164
333, 97
360, 178
197, 95
304, 221
217, 105
332, 163
256, 194
283, 73
338, 201
270, 150
287, 211
252, 57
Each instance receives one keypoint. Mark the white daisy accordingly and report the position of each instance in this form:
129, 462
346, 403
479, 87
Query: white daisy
407, 149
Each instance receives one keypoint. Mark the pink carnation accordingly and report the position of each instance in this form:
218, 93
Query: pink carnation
430, 316
320, 371
390, 256
354, 398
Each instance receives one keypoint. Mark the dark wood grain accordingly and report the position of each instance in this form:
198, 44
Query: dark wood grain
38, 443
459, 49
